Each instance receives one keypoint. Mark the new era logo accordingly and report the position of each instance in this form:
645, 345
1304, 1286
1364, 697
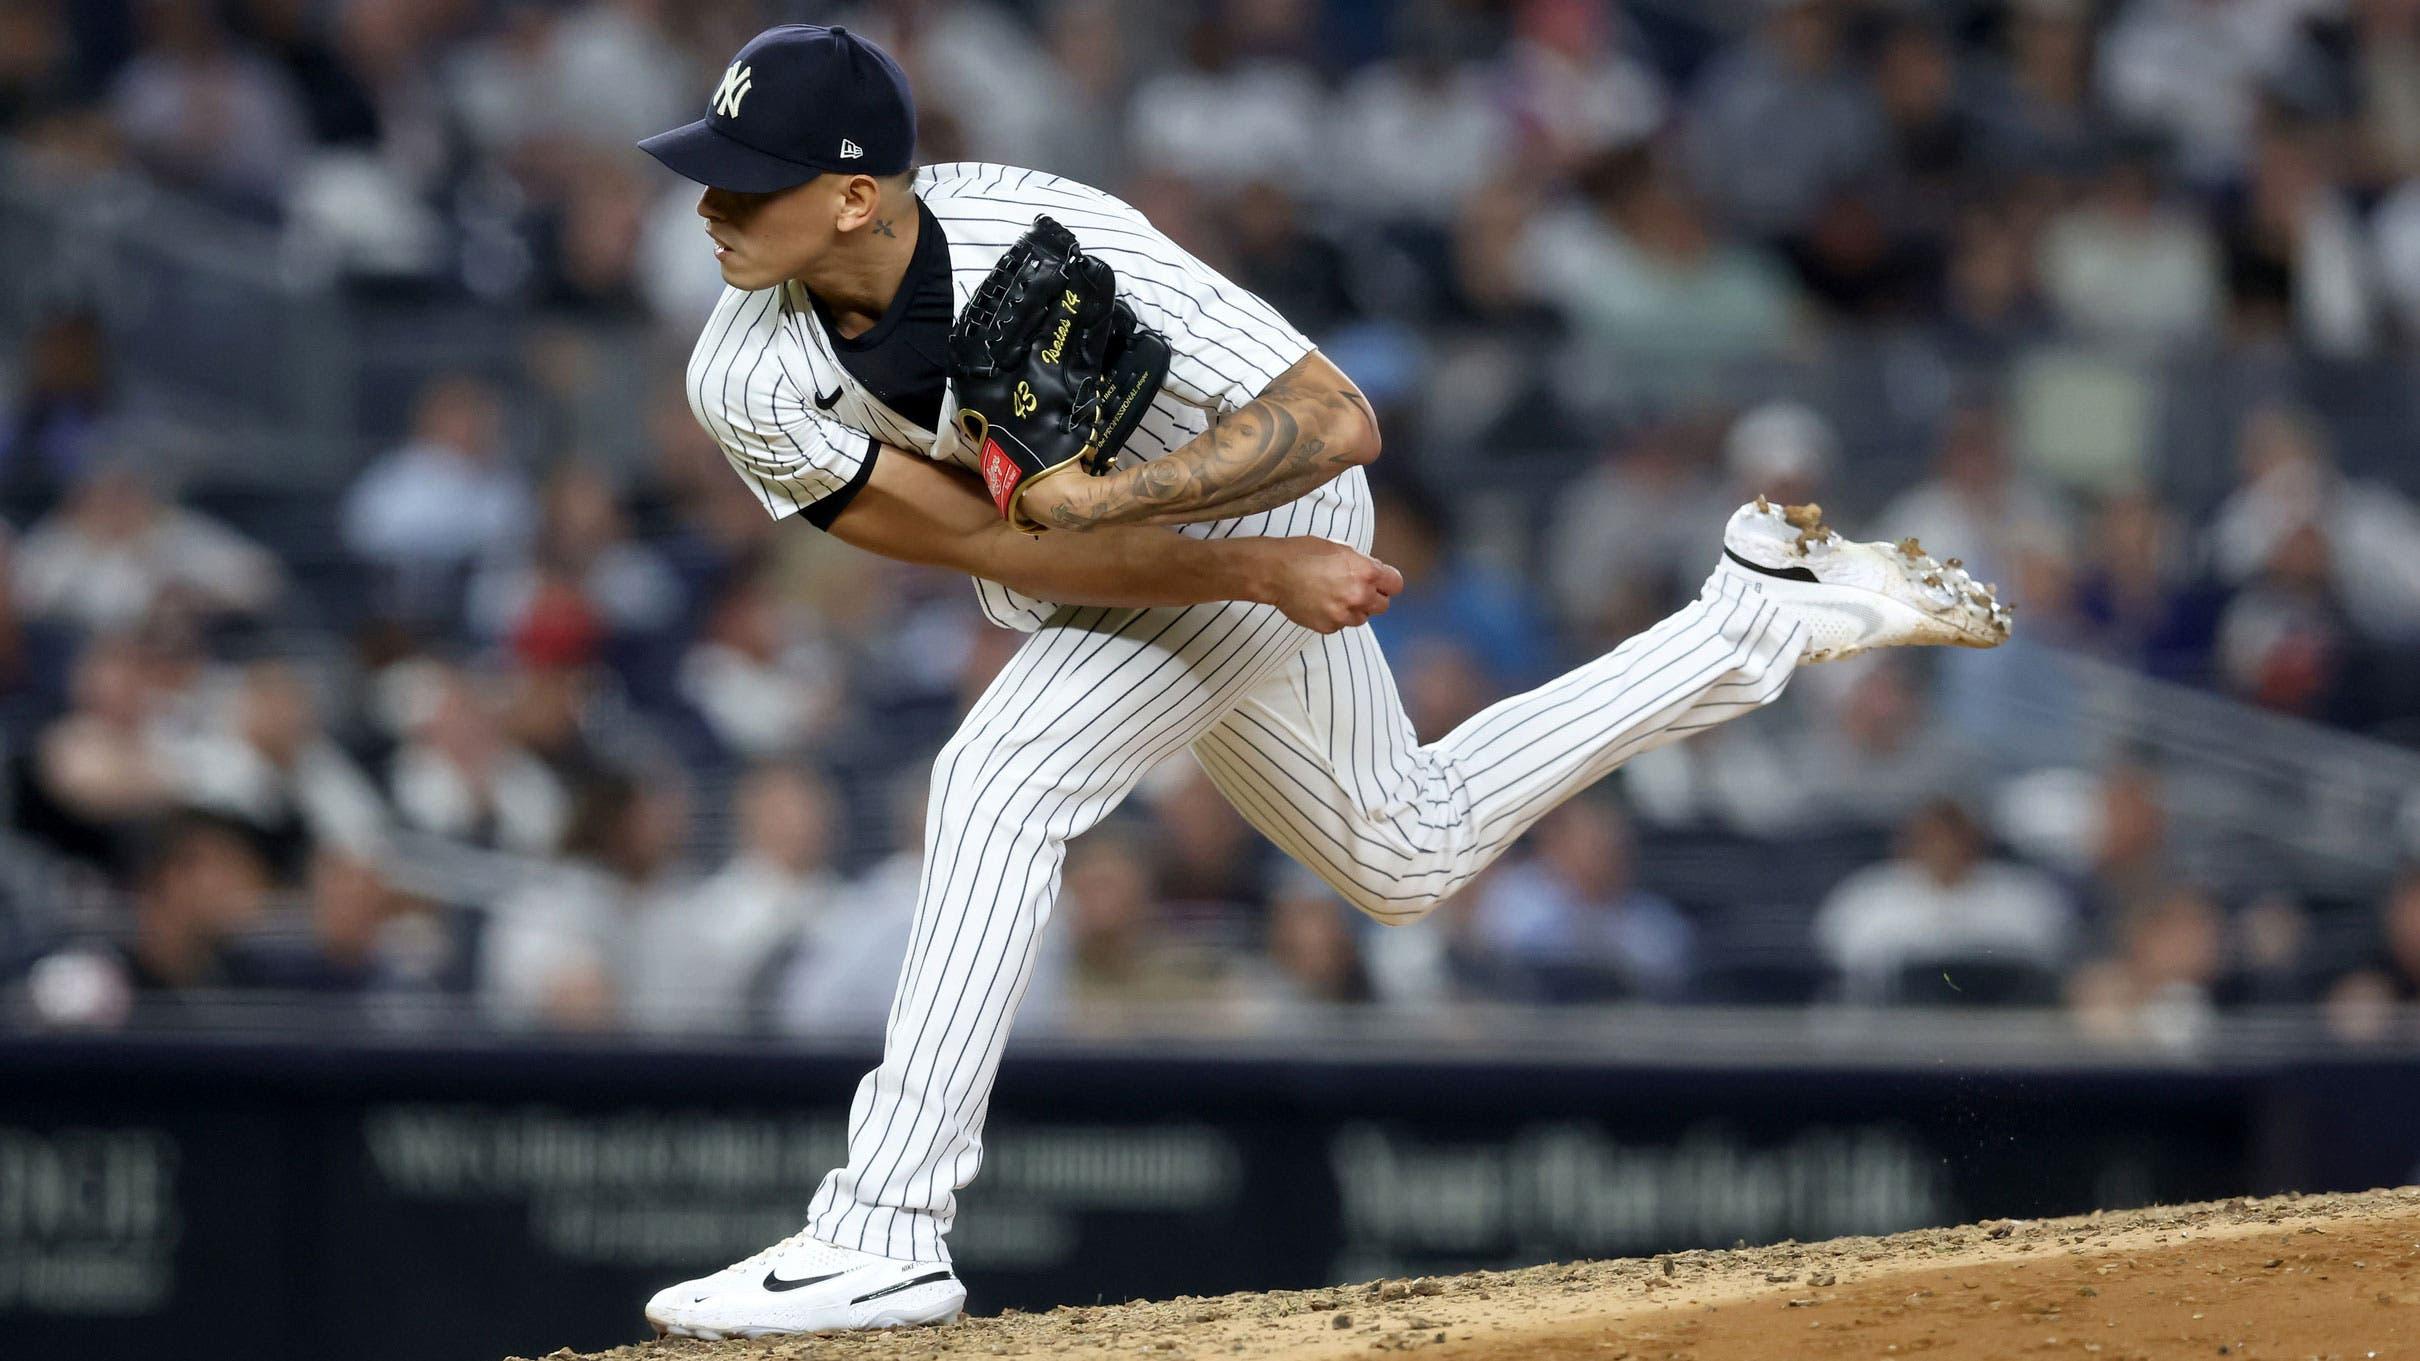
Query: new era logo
736, 83
849, 150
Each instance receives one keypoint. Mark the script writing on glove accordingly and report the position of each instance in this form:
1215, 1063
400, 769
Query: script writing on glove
1050, 370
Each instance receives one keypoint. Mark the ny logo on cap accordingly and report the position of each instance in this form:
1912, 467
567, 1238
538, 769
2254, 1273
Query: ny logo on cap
736, 84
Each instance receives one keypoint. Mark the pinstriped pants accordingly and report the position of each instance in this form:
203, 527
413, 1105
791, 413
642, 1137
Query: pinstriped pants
1307, 737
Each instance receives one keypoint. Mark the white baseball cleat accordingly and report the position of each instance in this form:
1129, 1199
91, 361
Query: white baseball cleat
804, 1285
1857, 596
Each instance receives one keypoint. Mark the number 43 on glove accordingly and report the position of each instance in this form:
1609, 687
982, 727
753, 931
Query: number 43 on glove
1049, 368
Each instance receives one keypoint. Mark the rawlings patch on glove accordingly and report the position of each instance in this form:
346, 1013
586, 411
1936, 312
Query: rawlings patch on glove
1050, 370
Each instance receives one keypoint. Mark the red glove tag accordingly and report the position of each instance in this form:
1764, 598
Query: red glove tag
1000, 475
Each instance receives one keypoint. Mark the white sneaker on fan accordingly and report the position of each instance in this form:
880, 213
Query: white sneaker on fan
1857, 596
804, 1285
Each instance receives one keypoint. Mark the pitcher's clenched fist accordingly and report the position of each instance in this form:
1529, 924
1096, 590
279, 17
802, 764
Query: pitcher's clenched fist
1325, 586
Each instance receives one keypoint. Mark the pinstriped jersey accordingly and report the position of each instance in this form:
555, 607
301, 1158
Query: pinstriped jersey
801, 431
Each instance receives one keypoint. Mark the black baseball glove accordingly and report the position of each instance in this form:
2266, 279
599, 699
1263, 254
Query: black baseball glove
1049, 368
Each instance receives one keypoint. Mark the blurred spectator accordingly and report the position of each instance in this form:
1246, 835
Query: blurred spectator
1931, 131
2290, 484
1569, 921
759, 675
2363, 1004
571, 951
1121, 958
550, 75
336, 105
605, 76
2386, 87
199, 886
1640, 529
2038, 108
459, 777
2284, 641
2272, 936
1742, 778
2131, 857
1663, 302
1082, 129
589, 248
201, 112
106, 767
938, 42
1779, 120
2196, 72
362, 937
1571, 89
1452, 613
2159, 985
555, 698
53, 425
1297, 271
1782, 451
270, 767
2299, 248
1861, 265
2141, 598
1990, 307
2128, 266
114, 552
1313, 955
1204, 853
1418, 132
37, 62
1242, 106
1941, 902
1872, 754
840, 980
1850, 749
440, 503
676, 277
1976, 500
710, 949
583, 539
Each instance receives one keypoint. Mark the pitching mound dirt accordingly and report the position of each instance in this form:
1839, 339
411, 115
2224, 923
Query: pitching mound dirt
2293, 1277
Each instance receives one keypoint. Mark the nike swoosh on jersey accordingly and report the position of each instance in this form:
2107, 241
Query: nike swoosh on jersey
773, 1280
825, 399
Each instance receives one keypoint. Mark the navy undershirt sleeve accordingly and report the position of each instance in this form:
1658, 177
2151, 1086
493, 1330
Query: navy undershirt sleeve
824, 512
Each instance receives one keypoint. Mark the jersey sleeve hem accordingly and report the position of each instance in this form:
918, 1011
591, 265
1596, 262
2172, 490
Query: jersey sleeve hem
825, 511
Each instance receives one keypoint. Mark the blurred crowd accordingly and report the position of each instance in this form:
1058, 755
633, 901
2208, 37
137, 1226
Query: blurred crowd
540, 713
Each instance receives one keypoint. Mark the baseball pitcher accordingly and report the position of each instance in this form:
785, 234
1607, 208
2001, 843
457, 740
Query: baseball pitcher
1158, 479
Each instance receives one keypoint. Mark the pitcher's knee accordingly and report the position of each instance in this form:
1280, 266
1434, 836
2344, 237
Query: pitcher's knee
1388, 904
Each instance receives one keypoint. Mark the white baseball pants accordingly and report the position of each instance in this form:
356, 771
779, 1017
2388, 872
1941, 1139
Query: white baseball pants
1307, 736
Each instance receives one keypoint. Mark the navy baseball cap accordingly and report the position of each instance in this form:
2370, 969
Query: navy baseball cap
798, 101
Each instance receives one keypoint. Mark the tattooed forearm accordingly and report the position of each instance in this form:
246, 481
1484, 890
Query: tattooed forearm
1308, 426
1270, 497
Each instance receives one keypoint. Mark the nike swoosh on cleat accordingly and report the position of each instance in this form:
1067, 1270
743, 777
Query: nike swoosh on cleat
1785, 573
773, 1280
926, 1279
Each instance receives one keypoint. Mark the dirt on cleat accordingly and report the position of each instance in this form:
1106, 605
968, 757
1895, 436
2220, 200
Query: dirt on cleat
1911, 550
1808, 521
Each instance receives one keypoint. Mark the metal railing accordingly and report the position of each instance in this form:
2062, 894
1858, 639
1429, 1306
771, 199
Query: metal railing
217, 328
2319, 804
